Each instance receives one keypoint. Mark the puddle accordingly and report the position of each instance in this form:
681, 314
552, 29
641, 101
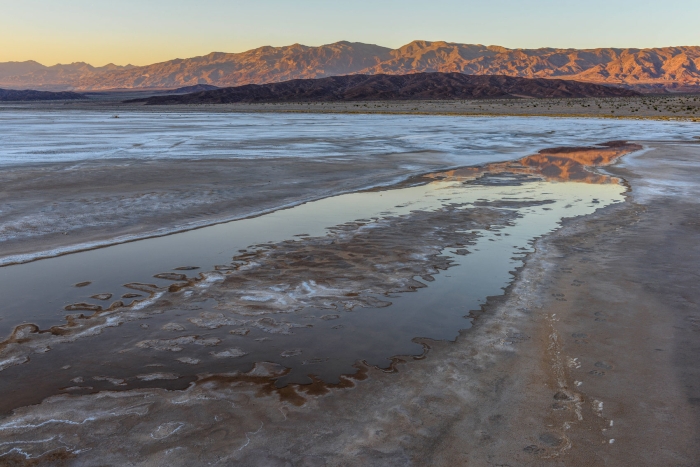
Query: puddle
314, 288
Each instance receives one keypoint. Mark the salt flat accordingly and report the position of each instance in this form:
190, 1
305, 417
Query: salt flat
74, 179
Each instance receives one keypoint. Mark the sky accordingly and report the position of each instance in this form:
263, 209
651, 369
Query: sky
142, 32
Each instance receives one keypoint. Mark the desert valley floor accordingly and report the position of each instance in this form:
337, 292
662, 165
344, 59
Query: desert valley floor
196, 287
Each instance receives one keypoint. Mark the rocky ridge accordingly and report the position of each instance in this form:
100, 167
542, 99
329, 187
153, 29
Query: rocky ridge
418, 86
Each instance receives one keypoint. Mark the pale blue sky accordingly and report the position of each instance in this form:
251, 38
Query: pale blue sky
147, 31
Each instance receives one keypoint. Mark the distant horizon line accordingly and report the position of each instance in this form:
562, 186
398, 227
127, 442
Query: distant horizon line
340, 42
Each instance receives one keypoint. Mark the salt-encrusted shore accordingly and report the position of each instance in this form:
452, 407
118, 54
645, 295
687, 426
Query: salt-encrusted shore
589, 359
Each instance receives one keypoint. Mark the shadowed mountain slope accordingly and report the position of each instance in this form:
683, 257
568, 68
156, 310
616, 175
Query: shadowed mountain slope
11, 95
656, 69
194, 88
415, 86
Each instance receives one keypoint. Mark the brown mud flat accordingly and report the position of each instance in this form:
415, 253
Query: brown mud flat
609, 302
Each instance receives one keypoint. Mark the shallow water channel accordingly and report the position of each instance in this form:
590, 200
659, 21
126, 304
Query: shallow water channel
315, 288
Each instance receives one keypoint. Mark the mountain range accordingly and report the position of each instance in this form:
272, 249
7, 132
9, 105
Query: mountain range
647, 70
413, 86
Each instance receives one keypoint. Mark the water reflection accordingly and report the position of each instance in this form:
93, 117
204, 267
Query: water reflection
367, 276
555, 164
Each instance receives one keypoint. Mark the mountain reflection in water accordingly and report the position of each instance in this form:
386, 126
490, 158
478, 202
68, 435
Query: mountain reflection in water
554, 164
